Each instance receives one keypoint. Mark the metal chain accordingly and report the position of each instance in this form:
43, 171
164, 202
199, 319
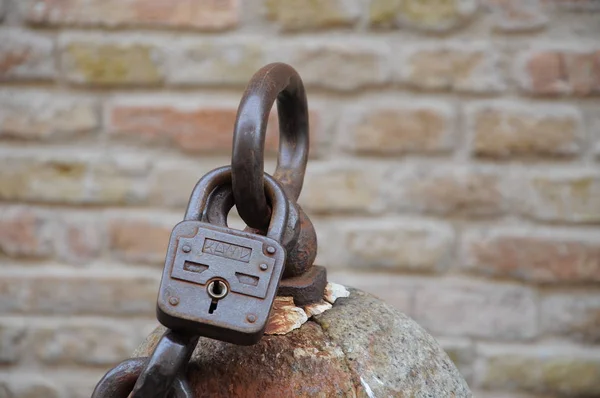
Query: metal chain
152, 377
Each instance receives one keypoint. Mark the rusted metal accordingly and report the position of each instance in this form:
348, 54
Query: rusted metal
279, 82
169, 359
222, 292
306, 288
120, 380
219, 282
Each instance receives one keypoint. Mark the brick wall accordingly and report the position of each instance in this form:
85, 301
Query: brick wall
454, 172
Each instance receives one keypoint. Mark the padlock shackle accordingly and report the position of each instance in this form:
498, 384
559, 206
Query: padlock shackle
281, 82
199, 199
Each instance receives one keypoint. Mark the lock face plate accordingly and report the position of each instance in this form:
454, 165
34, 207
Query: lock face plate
249, 265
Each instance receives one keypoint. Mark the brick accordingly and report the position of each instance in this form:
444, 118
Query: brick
461, 191
78, 239
562, 195
25, 233
517, 15
462, 353
26, 56
399, 127
430, 15
319, 14
46, 180
396, 290
120, 294
436, 15
14, 297
28, 385
556, 370
203, 14
474, 309
143, 239
546, 256
119, 180
338, 65
559, 71
230, 62
505, 129
462, 67
575, 315
69, 179
171, 183
27, 115
91, 344
12, 339
577, 5
108, 62
395, 245
341, 188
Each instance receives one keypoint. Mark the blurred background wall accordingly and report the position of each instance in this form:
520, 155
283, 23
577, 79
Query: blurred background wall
454, 171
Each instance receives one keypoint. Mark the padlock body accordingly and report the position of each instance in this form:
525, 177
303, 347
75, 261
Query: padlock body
249, 265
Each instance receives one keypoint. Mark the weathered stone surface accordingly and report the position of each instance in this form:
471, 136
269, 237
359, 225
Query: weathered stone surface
141, 239
26, 56
575, 315
517, 15
475, 309
25, 233
464, 67
26, 115
336, 64
340, 188
566, 371
395, 245
199, 14
502, 129
316, 14
395, 127
214, 62
28, 385
462, 191
565, 195
560, 71
12, 338
100, 62
548, 257
90, 344
361, 347
428, 15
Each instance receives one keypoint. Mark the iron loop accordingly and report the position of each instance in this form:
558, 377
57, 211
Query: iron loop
281, 82
216, 183
169, 358
120, 380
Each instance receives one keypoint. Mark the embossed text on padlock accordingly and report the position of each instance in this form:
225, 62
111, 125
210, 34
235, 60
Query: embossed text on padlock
219, 282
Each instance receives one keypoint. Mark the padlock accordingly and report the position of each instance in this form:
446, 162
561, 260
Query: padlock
219, 282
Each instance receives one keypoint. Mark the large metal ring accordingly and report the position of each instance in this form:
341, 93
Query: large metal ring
279, 82
153, 377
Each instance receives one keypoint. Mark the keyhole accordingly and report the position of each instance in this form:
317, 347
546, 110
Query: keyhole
216, 289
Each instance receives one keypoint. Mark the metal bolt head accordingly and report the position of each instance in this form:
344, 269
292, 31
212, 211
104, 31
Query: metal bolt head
173, 300
251, 318
271, 250
264, 267
186, 248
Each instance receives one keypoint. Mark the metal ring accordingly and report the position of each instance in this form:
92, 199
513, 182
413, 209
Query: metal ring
152, 377
279, 82
120, 380
214, 181
170, 356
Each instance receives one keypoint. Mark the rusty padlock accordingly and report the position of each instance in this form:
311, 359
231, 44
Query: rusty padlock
219, 282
